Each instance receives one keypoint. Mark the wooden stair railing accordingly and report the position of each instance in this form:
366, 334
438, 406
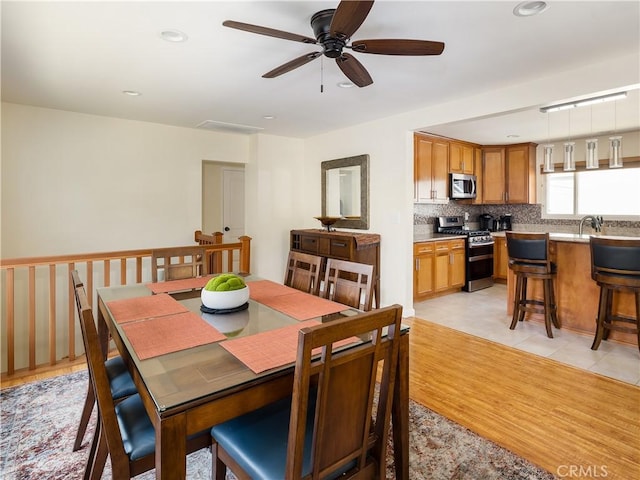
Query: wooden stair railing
37, 302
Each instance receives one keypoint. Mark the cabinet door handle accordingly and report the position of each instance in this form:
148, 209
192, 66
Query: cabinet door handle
451, 259
339, 244
417, 264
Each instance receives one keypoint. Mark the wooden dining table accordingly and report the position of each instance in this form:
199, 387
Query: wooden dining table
186, 390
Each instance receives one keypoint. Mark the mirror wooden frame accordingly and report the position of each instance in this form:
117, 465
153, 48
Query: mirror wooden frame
361, 223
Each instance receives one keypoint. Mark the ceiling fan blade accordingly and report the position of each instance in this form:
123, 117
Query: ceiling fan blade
270, 32
295, 63
348, 17
398, 47
354, 70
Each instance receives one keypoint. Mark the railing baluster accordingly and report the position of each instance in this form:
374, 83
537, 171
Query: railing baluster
71, 324
123, 271
107, 273
10, 322
89, 282
138, 269
32, 317
52, 314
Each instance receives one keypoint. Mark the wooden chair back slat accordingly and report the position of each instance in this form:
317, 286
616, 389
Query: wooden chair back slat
303, 272
349, 283
178, 262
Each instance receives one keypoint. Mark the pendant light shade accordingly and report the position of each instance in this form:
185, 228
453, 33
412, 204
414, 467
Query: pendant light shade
615, 152
569, 157
548, 166
591, 151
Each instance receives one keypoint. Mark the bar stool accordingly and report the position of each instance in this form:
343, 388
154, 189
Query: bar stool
615, 266
529, 258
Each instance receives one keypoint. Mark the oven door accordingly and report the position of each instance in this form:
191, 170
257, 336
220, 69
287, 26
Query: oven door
479, 267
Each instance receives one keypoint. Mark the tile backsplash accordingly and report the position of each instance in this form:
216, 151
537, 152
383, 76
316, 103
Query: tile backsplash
424, 214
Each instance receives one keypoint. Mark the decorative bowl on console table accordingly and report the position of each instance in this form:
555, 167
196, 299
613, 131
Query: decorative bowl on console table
328, 221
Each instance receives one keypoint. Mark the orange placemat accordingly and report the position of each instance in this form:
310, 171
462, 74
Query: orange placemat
272, 349
131, 309
261, 290
179, 285
292, 302
158, 336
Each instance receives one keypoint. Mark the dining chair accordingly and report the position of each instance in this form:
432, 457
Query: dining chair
327, 428
303, 272
120, 382
349, 283
179, 262
125, 432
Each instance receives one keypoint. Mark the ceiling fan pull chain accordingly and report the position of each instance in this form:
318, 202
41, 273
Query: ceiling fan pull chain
322, 74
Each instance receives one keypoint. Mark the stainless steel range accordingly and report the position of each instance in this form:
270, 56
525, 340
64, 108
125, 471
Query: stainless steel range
478, 248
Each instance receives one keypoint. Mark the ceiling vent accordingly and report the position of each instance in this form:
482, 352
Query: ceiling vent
228, 127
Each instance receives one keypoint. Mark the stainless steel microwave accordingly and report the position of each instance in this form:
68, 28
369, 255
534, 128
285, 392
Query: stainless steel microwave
462, 186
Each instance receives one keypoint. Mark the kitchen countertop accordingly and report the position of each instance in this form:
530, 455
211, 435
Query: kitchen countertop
432, 237
571, 237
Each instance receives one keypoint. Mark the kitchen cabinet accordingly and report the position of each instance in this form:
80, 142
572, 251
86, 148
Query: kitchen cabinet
493, 175
509, 174
430, 169
500, 259
461, 158
439, 266
477, 171
423, 269
521, 173
354, 247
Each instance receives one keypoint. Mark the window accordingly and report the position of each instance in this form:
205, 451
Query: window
609, 192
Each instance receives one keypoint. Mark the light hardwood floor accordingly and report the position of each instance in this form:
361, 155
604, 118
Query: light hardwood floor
569, 421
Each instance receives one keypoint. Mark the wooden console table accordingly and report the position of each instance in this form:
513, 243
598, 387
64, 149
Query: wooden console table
354, 247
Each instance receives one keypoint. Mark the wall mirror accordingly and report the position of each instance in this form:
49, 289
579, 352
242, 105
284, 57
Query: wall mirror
345, 191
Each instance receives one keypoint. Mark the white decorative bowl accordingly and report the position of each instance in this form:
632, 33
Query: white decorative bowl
224, 300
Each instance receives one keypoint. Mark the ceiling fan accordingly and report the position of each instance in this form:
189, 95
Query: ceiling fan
333, 29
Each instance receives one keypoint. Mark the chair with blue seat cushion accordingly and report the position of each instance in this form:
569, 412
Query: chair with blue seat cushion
120, 383
327, 428
125, 432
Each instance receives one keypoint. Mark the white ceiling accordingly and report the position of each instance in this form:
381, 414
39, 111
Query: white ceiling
80, 56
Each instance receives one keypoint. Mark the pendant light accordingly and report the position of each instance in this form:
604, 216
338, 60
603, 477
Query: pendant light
548, 166
569, 151
591, 148
615, 142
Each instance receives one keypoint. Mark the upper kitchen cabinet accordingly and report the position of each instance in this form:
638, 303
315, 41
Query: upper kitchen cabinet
509, 174
461, 158
430, 169
477, 169
493, 175
521, 173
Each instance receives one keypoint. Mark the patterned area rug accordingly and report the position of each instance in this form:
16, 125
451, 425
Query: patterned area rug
39, 421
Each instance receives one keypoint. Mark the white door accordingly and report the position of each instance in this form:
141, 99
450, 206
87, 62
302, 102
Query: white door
232, 204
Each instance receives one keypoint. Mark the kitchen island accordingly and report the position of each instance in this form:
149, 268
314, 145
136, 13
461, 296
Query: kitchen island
577, 294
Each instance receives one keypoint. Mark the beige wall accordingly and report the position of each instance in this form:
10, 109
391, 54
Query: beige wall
83, 183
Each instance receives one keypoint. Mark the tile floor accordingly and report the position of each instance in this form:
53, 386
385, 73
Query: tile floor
483, 313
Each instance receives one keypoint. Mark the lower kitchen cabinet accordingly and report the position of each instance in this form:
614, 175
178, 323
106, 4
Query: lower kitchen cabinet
500, 259
439, 266
423, 269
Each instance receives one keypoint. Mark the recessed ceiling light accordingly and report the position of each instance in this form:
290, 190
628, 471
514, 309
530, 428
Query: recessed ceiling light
527, 9
346, 85
131, 93
269, 117
173, 36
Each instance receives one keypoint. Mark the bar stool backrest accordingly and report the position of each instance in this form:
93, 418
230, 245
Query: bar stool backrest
528, 248
614, 256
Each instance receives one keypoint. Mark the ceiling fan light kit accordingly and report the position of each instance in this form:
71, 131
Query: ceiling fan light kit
333, 29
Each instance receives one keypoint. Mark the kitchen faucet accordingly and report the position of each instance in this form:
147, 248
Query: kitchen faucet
596, 223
